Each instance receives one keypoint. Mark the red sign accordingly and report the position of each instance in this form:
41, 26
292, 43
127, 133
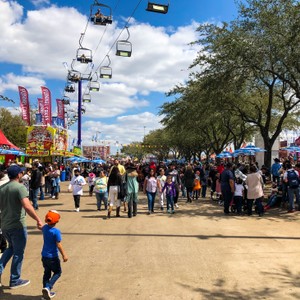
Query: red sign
47, 116
24, 104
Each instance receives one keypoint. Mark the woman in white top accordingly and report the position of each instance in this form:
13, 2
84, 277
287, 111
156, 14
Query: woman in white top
162, 178
151, 185
77, 182
255, 191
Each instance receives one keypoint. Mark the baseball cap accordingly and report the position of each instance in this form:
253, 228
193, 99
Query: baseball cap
13, 171
52, 217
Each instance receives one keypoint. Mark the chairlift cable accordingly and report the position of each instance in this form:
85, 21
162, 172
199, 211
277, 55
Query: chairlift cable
125, 26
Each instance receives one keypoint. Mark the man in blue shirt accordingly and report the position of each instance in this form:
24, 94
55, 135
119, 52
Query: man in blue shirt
227, 186
275, 170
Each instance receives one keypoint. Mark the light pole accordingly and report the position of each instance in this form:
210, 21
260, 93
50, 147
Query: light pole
79, 114
144, 132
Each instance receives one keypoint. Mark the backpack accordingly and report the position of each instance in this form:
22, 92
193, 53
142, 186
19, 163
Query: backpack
293, 179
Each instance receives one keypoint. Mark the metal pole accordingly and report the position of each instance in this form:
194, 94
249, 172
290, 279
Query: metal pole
79, 114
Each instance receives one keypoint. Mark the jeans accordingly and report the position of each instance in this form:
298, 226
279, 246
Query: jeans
151, 199
183, 190
51, 265
76, 200
189, 192
170, 202
34, 196
203, 191
101, 197
162, 197
132, 199
259, 206
227, 197
238, 201
291, 193
16, 239
42, 195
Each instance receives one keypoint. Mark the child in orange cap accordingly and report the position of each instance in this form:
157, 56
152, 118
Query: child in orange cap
50, 257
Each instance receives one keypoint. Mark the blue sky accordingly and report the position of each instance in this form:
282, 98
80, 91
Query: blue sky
37, 36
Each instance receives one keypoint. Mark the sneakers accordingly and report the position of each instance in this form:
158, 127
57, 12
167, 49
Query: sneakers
47, 294
176, 205
53, 197
76, 209
169, 211
0, 281
19, 283
161, 208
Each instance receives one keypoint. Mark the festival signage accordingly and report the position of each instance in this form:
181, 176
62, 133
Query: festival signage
46, 106
24, 104
40, 138
60, 141
77, 151
46, 140
96, 151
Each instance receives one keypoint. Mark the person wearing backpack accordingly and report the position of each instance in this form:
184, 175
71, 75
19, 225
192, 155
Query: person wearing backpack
291, 177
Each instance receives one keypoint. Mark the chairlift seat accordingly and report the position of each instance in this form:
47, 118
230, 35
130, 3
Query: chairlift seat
86, 98
94, 86
106, 72
102, 20
157, 7
124, 48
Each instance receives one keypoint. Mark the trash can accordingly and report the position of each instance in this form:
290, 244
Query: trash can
63, 176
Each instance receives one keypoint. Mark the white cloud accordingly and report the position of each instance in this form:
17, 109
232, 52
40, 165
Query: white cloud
127, 128
39, 41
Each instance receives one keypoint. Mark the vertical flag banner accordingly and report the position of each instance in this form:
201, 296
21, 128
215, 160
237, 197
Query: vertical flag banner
24, 104
47, 116
60, 112
41, 108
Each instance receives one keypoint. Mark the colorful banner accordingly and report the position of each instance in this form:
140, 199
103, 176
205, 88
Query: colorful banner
46, 140
60, 109
77, 151
46, 105
96, 151
24, 104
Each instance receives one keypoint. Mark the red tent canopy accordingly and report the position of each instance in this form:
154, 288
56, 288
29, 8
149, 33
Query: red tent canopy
5, 142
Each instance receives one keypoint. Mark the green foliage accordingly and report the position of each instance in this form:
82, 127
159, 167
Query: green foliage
13, 127
249, 79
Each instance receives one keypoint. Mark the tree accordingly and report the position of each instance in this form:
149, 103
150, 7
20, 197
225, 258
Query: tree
13, 127
255, 58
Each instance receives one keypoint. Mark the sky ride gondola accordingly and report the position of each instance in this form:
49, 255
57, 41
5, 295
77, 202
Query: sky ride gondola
94, 86
96, 15
66, 100
106, 71
161, 8
86, 98
83, 55
74, 76
124, 47
70, 87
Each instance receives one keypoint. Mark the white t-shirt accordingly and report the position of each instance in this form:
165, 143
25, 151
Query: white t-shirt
76, 183
238, 190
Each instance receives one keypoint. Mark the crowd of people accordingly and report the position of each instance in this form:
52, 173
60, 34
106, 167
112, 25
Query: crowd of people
240, 189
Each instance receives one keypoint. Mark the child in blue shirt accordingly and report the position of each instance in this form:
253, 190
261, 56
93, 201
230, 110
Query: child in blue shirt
50, 257
170, 189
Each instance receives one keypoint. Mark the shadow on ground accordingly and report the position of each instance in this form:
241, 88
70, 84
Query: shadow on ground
285, 278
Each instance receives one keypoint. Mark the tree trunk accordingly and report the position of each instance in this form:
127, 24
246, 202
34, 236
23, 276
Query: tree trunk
268, 154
